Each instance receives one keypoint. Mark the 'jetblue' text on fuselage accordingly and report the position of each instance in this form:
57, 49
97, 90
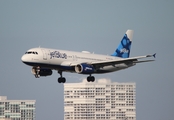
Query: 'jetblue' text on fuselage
57, 54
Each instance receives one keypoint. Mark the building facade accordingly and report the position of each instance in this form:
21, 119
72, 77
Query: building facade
99, 101
17, 109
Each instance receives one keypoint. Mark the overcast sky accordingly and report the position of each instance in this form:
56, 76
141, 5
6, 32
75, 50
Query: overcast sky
96, 26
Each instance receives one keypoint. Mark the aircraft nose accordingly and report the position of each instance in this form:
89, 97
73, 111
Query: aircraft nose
24, 58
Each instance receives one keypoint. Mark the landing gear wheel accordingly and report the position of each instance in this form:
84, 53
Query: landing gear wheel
37, 76
90, 78
61, 80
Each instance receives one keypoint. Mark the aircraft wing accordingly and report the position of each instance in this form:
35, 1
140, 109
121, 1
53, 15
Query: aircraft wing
119, 61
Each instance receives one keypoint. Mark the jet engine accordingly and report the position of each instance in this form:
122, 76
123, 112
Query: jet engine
84, 68
41, 71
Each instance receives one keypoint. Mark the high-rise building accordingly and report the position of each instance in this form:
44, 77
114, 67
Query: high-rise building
99, 100
17, 109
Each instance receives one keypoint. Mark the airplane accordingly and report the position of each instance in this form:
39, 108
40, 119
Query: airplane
44, 60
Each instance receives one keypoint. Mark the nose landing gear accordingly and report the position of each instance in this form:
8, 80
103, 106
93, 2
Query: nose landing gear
35, 71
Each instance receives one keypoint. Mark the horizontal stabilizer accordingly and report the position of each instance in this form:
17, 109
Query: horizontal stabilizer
143, 61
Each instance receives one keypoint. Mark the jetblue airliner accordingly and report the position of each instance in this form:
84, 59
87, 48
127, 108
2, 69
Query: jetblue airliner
44, 60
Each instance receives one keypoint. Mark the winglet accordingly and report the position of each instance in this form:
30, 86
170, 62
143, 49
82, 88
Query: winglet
154, 55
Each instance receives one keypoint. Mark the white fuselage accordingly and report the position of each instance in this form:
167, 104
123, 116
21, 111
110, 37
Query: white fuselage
44, 60
64, 60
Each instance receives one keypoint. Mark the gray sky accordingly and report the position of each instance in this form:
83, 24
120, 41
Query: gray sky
96, 26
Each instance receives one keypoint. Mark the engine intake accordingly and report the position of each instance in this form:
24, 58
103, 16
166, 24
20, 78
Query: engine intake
84, 68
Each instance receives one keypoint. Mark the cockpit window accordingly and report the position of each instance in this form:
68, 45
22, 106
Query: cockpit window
31, 52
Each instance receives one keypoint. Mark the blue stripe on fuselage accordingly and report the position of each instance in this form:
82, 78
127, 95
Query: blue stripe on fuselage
51, 66
60, 67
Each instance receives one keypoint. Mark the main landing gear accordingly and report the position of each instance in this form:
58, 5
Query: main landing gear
90, 78
61, 79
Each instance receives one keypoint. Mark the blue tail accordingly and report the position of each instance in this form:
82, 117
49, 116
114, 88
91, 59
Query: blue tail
123, 50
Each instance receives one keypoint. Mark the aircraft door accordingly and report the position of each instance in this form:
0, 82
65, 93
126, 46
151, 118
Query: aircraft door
74, 57
44, 54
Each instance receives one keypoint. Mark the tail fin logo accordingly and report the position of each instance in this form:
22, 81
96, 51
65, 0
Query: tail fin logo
124, 50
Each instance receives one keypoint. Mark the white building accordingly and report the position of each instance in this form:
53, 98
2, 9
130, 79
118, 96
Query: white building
17, 109
99, 100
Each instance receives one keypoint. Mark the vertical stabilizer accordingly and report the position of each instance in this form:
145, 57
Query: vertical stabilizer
123, 50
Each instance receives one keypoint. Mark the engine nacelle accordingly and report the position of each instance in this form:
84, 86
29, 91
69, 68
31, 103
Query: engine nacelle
45, 72
42, 71
84, 69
